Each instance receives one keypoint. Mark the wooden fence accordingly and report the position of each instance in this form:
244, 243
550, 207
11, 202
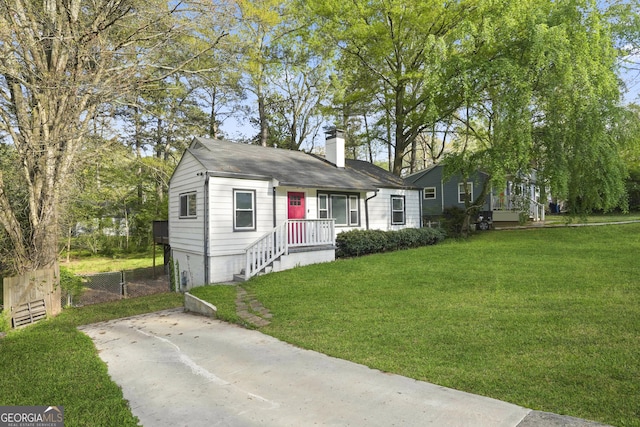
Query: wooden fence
34, 286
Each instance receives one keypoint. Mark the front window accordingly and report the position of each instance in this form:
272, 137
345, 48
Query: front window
465, 195
353, 210
244, 210
323, 206
344, 208
397, 210
339, 208
188, 205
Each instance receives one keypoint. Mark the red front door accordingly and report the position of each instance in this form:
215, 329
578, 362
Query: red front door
296, 205
296, 210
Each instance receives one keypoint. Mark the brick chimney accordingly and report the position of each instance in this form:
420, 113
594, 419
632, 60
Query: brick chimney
334, 147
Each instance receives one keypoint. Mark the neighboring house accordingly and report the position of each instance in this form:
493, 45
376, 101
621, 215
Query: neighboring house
242, 209
507, 205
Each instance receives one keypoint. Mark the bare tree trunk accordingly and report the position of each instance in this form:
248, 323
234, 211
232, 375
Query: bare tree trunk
262, 118
389, 146
214, 130
414, 154
366, 129
69, 244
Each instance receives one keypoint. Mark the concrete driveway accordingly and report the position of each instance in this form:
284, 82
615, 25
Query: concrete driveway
181, 369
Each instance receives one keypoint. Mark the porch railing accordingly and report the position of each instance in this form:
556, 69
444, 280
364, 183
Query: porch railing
291, 233
518, 204
311, 232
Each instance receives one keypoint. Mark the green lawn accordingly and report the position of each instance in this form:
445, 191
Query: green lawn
548, 319
98, 264
52, 363
553, 219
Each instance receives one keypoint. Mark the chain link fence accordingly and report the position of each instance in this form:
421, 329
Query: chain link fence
116, 285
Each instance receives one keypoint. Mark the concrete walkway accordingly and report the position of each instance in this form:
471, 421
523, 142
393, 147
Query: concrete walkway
181, 369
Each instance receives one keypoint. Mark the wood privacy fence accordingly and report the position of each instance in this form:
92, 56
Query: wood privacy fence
20, 291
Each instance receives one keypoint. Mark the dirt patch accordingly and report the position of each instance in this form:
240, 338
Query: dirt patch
137, 288
144, 287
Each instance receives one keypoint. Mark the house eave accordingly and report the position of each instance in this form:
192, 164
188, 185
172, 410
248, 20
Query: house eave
326, 188
223, 174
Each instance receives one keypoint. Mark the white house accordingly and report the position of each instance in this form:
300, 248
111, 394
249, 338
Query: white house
239, 209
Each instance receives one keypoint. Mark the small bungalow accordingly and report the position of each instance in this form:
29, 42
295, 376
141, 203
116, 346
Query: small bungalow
236, 210
501, 207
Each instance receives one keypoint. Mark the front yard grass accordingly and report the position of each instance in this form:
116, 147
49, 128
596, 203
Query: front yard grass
52, 363
548, 319
559, 219
101, 264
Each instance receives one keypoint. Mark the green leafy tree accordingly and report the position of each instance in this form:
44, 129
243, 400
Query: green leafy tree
300, 84
62, 61
261, 25
398, 50
542, 93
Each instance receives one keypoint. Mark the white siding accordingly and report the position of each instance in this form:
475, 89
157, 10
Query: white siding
223, 267
222, 237
311, 202
226, 245
186, 233
380, 209
189, 269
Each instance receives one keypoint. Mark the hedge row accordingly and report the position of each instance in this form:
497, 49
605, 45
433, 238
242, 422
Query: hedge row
362, 242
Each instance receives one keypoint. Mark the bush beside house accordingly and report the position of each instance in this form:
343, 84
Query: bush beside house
363, 242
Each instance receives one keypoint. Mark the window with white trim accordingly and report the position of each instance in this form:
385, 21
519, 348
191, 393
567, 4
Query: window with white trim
397, 210
244, 213
429, 193
462, 194
353, 210
344, 208
188, 205
323, 206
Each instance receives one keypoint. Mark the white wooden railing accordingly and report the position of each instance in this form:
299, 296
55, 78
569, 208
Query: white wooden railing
311, 232
291, 233
519, 204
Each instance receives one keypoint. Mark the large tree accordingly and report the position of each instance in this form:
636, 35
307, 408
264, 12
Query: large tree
398, 50
60, 61
261, 25
542, 93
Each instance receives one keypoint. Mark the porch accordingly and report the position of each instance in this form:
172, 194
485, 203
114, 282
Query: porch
513, 208
295, 242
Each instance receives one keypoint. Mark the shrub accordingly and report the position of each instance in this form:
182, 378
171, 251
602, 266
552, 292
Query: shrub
453, 220
360, 242
363, 242
431, 236
71, 284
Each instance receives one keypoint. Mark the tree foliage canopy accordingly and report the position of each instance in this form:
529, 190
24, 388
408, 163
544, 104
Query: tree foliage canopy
61, 63
501, 86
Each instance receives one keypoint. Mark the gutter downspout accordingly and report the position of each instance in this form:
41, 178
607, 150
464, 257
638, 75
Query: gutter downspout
366, 208
274, 206
206, 228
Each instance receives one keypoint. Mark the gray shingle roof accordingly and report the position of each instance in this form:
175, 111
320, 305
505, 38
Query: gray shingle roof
290, 168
